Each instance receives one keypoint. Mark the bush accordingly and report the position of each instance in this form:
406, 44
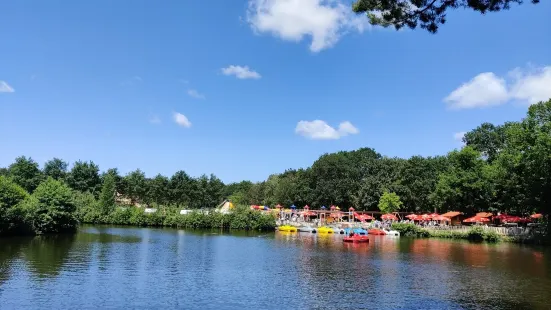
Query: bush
11, 195
51, 208
447, 234
476, 233
410, 230
492, 236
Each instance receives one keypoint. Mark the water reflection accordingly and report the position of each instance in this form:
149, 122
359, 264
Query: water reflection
104, 267
425, 272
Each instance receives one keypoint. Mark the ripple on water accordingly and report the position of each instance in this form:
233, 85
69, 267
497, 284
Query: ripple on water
159, 268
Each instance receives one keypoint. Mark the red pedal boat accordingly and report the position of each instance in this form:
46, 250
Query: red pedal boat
356, 238
376, 232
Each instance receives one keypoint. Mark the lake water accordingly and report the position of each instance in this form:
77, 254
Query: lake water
142, 268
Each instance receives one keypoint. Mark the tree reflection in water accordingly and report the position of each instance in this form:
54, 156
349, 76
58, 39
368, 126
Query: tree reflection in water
429, 273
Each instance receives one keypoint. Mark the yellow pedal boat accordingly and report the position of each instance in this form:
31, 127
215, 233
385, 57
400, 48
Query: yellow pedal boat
325, 230
287, 228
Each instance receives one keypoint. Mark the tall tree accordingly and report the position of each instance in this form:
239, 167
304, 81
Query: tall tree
108, 194
52, 208
389, 202
25, 172
114, 172
159, 189
55, 168
179, 187
467, 185
429, 14
84, 177
136, 186
11, 194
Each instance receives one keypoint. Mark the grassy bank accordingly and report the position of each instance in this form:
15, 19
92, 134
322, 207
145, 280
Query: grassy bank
240, 219
474, 234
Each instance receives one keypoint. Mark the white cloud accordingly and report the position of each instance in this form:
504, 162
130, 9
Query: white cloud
458, 136
320, 130
5, 88
195, 94
485, 89
155, 119
241, 72
181, 120
325, 21
532, 87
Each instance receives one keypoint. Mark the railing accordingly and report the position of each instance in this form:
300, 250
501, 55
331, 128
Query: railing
504, 231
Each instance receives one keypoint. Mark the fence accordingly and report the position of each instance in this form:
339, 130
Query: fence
504, 231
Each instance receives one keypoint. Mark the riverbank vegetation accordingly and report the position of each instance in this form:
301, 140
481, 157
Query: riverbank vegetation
475, 233
503, 168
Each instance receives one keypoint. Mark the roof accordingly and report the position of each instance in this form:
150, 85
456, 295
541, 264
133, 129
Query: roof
451, 214
483, 214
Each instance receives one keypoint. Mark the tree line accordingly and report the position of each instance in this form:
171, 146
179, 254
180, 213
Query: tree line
504, 167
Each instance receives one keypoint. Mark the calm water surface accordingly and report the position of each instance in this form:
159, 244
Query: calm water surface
140, 268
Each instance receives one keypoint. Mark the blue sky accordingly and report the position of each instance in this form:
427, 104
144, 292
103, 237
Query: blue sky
256, 92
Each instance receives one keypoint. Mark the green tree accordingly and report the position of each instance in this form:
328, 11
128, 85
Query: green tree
107, 195
467, 185
55, 168
25, 172
429, 14
488, 139
51, 208
11, 194
215, 191
114, 172
417, 179
389, 202
159, 189
180, 187
84, 177
136, 186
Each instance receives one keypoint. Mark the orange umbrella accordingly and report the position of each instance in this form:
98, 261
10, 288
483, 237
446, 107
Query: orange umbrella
536, 216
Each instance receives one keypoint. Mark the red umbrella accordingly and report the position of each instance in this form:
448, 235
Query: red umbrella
476, 219
440, 218
306, 207
333, 207
536, 216
411, 216
390, 217
350, 209
362, 217
501, 217
511, 219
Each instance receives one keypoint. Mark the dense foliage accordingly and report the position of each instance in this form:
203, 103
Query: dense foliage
475, 233
503, 168
389, 202
429, 14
